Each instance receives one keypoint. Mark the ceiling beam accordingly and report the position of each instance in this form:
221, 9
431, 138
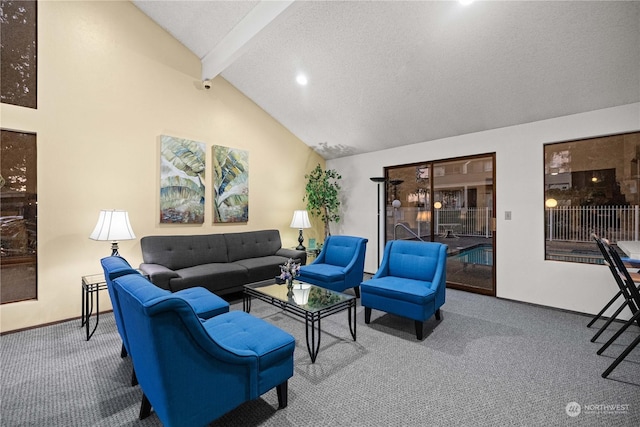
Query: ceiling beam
236, 41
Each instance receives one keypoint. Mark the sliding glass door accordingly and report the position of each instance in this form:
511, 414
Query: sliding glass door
450, 201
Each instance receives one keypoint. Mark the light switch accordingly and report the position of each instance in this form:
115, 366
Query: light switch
507, 215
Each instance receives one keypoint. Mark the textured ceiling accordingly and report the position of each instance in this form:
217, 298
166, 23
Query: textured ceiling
390, 73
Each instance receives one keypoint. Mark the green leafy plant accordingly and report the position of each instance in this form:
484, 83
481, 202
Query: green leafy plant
322, 195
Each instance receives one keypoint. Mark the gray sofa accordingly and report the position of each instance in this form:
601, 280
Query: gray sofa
222, 263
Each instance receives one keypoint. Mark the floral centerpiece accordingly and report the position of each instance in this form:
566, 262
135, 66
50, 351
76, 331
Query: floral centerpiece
289, 271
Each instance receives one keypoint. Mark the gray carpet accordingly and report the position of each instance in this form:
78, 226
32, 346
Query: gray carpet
488, 362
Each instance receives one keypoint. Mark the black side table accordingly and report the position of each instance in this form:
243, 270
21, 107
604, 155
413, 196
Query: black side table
91, 287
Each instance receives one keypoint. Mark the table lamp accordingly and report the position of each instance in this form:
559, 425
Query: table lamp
113, 225
300, 220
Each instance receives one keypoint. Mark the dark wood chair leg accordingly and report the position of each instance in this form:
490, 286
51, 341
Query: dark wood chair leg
419, 327
283, 395
356, 289
145, 408
438, 315
134, 378
123, 351
367, 315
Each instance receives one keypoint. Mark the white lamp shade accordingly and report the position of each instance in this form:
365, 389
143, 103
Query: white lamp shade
300, 220
113, 225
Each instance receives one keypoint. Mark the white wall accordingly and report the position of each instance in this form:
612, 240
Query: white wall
521, 270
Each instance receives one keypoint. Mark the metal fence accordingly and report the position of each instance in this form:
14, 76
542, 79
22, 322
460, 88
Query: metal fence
412, 222
465, 222
562, 223
577, 223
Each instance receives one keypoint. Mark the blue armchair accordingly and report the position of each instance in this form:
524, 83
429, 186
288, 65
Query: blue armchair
192, 371
410, 282
340, 264
205, 303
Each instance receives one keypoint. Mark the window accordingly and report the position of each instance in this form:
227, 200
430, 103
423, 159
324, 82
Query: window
18, 162
18, 216
590, 186
18, 64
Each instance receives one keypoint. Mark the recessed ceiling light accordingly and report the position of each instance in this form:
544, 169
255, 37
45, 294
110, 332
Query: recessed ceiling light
465, 2
301, 79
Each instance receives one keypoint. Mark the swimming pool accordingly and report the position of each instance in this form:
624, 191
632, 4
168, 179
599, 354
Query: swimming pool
482, 255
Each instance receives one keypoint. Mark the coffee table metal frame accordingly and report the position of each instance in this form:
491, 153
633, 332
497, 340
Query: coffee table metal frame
312, 317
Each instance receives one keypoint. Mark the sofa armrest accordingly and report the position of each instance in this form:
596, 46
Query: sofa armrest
294, 254
159, 275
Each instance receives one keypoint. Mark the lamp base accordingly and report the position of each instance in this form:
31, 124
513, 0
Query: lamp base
300, 247
114, 249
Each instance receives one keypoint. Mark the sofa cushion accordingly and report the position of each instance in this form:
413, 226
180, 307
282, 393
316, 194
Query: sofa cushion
414, 262
243, 333
215, 277
252, 244
396, 288
266, 267
176, 252
340, 250
323, 273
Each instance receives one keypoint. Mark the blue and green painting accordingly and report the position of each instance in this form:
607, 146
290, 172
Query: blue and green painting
182, 167
230, 185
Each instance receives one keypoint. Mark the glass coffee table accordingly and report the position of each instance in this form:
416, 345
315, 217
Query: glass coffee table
310, 302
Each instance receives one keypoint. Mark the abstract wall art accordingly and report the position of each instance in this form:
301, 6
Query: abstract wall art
182, 185
230, 185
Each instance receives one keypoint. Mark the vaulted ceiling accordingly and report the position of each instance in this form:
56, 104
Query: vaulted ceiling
384, 74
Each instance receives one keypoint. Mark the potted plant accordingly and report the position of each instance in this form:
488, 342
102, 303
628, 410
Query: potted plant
322, 195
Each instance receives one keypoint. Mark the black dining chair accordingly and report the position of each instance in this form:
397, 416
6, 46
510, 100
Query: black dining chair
628, 301
634, 293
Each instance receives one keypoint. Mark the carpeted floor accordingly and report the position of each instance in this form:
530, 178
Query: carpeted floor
488, 362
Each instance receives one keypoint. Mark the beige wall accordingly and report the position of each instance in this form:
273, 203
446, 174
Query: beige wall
110, 82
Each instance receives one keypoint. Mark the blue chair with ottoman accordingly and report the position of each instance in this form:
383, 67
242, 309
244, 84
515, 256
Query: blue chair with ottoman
339, 266
410, 282
205, 303
192, 371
